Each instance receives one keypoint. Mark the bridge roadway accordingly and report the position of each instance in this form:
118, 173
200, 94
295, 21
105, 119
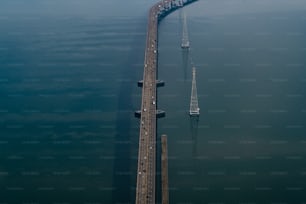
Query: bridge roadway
145, 189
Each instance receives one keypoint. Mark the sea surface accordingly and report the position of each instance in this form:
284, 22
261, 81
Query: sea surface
68, 92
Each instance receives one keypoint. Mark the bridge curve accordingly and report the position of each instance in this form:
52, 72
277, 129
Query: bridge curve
146, 170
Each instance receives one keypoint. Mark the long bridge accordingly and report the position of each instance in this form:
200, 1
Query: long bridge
145, 189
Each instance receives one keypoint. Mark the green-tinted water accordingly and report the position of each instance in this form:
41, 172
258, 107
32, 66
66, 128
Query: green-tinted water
249, 143
68, 73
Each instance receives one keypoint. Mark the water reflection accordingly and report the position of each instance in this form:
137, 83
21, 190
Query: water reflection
185, 58
194, 123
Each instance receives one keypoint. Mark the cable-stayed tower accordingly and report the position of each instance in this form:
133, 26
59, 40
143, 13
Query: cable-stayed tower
194, 106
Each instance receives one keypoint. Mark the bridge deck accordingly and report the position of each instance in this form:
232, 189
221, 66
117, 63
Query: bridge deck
145, 190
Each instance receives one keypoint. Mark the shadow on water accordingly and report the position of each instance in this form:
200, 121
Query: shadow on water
123, 174
185, 58
194, 123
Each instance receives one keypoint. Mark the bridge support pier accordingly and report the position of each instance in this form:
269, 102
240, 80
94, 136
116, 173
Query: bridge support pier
159, 83
159, 114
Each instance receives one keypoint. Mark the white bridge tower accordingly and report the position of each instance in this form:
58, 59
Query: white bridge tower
194, 106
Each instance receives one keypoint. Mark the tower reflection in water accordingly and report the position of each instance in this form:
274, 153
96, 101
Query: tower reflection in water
194, 123
185, 57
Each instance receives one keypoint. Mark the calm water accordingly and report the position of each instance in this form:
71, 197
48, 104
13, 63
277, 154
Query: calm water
68, 73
